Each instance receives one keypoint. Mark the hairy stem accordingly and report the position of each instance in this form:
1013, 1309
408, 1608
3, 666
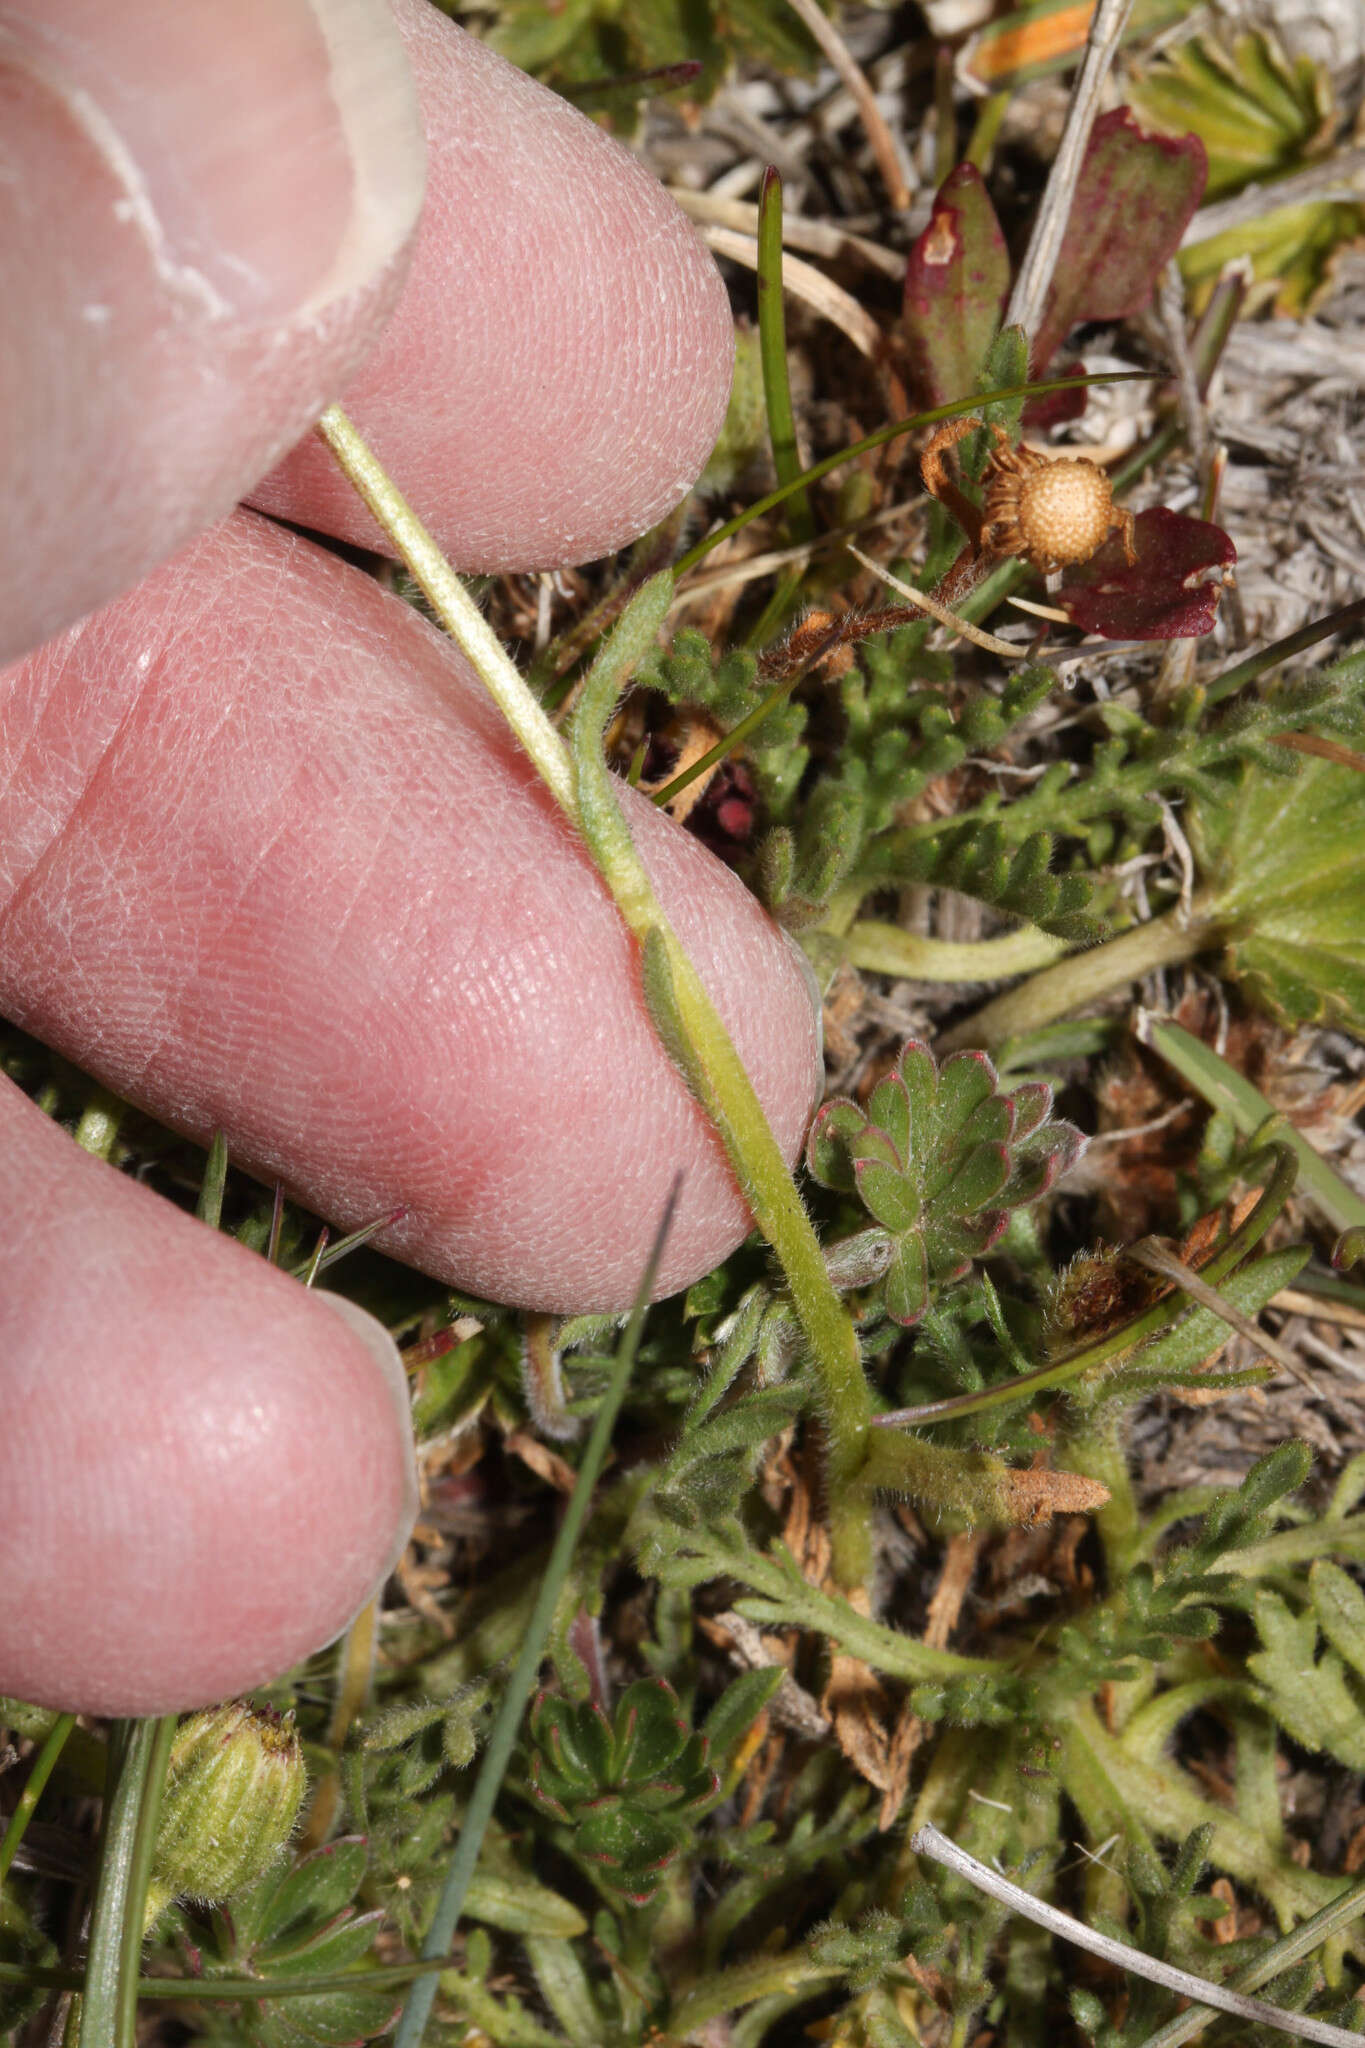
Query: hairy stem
1083, 978
885, 949
683, 1012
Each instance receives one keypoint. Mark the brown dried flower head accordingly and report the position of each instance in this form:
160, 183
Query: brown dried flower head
1050, 511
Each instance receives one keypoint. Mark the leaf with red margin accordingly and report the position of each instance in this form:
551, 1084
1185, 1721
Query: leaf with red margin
1134, 199
1170, 593
956, 282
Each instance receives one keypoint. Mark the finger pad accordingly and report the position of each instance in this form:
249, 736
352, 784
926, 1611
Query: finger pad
557, 370
204, 1472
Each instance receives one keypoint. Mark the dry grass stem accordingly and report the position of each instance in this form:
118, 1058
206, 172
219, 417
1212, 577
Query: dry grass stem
924, 603
881, 140
1040, 258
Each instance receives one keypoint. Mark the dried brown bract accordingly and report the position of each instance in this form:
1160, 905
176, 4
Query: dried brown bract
1050, 511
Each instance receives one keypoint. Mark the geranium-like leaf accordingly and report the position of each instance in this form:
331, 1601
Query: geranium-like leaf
888, 1107
973, 1153
873, 1144
1041, 1161
1170, 592
964, 1082
1291, 892
918, 1070
1134, 198
650, 1732
907, 1280
888, 1195
828, 1157
956, 282
979, 1178
1032, 1107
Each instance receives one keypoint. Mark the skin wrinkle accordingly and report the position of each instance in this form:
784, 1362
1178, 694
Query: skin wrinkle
559, 435
424, 995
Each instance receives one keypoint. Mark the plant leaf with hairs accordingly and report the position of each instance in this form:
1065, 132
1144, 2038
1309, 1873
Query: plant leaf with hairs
1170, 592
956, 282
1135, 196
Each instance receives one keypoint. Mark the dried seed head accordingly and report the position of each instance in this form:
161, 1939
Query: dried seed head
1066, 510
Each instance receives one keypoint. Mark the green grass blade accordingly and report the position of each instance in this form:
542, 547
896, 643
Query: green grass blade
109, 2000
504, 1735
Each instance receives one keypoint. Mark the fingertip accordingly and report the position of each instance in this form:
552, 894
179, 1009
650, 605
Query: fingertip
222, 1486
557, 370
203, 218
388, 1361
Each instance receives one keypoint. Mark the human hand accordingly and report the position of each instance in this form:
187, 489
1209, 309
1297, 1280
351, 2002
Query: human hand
268, 863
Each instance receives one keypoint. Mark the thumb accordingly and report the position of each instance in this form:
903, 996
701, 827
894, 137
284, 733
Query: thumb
203, 213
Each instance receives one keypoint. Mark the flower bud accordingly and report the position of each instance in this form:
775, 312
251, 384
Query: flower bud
233, 1791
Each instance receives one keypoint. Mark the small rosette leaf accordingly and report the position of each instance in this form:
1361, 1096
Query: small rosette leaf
939, 1158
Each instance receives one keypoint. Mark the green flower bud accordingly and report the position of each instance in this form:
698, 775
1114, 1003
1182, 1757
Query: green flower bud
233, 1791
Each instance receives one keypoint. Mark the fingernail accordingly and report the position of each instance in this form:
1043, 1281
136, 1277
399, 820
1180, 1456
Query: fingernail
270, 157
384, 1352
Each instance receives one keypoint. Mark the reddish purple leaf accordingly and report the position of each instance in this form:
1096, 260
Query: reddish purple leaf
1171, 592
1134, 199
956, 281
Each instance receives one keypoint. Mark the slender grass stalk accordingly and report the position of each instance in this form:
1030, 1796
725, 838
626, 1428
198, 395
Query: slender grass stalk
772, 351
227, 1990
1039, 388
503, 1738
209, 1207
109, 1999
1232, 1095
731, 741
43, 1766
1233, 679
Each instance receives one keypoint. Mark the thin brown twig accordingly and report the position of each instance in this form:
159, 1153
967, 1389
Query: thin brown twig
924, 603
1045, 243
817, 237
1171, 313
1157, 1259
882, 141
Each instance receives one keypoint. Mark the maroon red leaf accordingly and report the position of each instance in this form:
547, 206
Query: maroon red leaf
1134, 198
1170, 593
956, 281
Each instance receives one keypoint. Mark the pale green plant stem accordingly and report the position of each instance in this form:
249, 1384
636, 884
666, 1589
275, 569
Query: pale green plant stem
744, 1983
693, 1032
1232, 1095
502, 1740
452, 604
1083, 978
108, 2017
885, 949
